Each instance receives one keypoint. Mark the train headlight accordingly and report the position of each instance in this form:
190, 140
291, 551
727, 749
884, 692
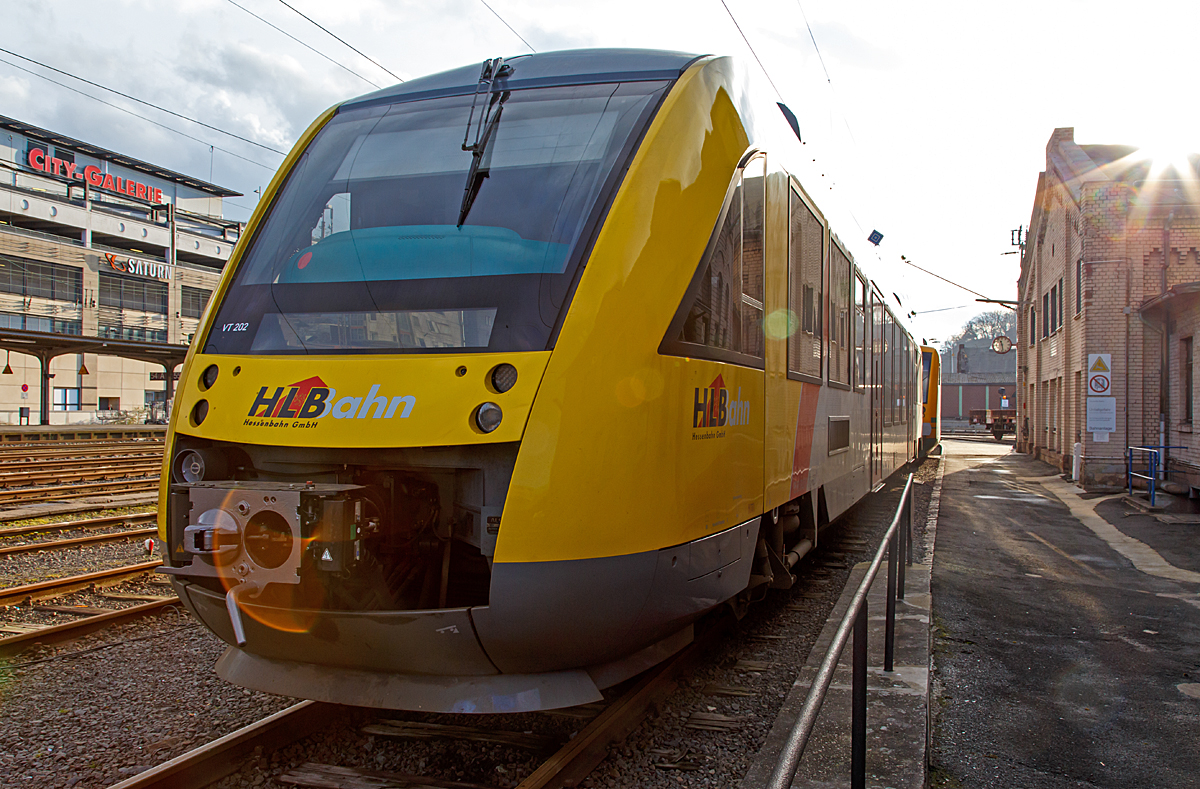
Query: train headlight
209, 376
503, 377
197, 465
199, 413
488, 416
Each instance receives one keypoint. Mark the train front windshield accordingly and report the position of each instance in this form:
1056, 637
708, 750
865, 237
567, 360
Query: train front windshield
389, 237
926, 362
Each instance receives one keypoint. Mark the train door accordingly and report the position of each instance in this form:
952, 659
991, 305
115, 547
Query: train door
876, 385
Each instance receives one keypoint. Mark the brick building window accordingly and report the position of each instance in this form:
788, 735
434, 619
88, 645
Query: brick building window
1053, 309
1079, 286
1062, 295
1185, 365
1032, 326
1045, 314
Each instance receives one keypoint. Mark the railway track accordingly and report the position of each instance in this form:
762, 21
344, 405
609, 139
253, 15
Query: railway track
567, 766
81, 490
75, 542
84, 472
73, 583
15, 637
86, 523
78, 449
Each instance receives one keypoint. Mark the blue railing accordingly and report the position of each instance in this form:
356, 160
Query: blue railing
1152, 467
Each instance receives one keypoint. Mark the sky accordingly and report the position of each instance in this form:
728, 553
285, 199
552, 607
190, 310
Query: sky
926, 121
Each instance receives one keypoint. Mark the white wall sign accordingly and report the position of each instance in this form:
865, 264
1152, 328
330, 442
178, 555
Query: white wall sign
1099, 374
1101, 417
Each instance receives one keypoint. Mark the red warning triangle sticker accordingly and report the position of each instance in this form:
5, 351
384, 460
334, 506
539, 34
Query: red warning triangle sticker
1099, 366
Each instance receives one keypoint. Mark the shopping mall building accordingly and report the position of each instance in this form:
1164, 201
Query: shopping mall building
98, 245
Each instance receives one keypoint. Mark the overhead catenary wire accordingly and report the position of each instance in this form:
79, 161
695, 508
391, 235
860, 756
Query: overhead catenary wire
814, 40
342, 66
342, 40
752, 52
139, 101
510, 27
943, 279
127, 111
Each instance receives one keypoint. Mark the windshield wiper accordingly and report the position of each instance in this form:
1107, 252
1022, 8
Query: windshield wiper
489, 119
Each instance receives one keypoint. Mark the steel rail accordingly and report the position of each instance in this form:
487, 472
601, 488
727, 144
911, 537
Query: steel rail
11, 645
576, 760
16, 462
77, 491
23, 458
210, 763
854, 620
72, 542
48, 447
11, 594
87, 523
79, 474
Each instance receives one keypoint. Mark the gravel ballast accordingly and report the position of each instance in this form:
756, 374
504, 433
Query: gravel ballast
92, 718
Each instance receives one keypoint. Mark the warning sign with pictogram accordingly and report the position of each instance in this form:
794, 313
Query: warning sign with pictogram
1099, 373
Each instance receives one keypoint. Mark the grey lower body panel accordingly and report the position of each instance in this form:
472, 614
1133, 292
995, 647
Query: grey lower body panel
547, 615
552, 634
415, 642
497, 693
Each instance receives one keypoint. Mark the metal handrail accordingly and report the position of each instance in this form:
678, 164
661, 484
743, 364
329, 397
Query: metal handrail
1152, 470
856, 618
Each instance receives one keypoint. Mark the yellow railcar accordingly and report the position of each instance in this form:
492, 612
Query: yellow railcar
518, 371
931, 400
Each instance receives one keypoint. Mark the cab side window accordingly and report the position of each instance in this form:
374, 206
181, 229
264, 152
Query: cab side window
721, 315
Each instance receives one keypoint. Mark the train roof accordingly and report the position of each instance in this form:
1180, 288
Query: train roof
566, 67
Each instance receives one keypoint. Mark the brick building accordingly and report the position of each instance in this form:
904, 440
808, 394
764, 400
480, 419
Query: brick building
975, 377
1098, 295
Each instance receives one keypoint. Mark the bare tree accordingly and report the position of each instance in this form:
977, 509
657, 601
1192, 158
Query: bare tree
985, 326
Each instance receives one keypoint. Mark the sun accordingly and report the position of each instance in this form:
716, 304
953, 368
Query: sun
1165, 152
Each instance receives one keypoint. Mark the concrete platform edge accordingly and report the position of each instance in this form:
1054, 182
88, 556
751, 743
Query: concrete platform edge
914, 662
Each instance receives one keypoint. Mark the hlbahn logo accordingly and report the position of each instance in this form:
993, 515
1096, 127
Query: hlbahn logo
306, 401
713, 407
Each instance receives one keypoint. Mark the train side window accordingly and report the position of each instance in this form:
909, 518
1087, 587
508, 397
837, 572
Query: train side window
879, 363
889, 372
721, 315
806, 258
906, 361
839, 316
860, 332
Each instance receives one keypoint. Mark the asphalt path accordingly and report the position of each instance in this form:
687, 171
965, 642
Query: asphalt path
1066, 652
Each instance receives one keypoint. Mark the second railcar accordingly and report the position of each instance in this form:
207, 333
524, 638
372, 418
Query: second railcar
931, 400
